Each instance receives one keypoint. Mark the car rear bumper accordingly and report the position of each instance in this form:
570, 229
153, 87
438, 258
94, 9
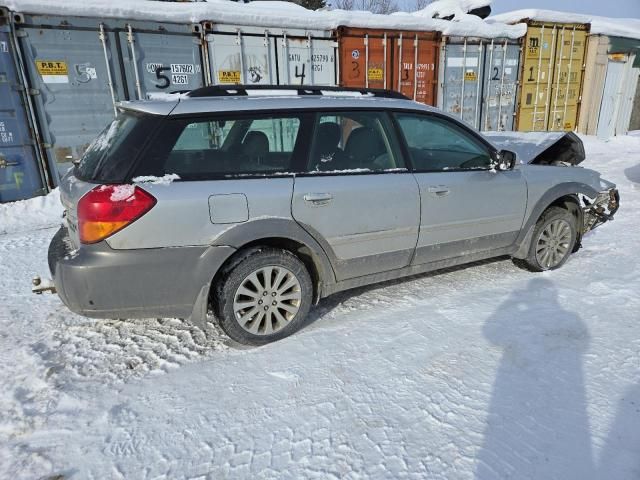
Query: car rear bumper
98, 281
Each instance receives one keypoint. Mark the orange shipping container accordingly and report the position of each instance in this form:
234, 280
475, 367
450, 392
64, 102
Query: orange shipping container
398, 60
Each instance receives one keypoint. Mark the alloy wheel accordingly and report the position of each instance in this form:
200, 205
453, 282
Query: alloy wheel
553, 243
267, 300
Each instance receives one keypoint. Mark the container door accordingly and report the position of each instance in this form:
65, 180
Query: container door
567, 78
241, 59
610, 99
71, 76
365, 61
634, 123
157, 62
414, 72
537, 73
20, 176
461, 89
500, 84
628, 91
306, 61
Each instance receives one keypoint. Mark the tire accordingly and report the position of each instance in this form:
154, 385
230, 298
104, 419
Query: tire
558, 226
264, 296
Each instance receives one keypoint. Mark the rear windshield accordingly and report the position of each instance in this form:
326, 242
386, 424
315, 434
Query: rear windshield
224, 145
110, 156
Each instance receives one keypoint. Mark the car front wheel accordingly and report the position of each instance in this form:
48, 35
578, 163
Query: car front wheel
553, 240
264, 297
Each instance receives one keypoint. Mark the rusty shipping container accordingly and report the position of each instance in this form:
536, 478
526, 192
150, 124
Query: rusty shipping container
552, 71
404, 61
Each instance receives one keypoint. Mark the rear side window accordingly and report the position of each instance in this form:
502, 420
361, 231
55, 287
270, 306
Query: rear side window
110, 156
437, 144
196, 149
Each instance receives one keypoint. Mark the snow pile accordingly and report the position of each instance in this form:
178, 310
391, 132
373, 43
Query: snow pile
615, 27
447, 8
32, 214
263, 13
467, 25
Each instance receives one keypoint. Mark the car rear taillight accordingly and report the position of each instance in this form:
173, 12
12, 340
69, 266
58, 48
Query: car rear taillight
109, 208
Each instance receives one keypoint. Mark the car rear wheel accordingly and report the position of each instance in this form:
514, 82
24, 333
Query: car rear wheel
553, 240
265, 296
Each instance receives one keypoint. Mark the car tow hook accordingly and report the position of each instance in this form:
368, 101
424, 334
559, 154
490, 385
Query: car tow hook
39, 286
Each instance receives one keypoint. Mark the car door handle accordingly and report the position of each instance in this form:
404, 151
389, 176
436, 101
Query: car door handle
318, 198
439, 190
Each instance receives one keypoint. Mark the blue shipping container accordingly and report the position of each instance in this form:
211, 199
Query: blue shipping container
20, 174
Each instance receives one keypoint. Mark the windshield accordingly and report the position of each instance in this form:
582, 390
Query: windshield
109, 157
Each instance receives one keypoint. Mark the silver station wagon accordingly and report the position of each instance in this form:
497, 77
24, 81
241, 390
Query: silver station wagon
256, 203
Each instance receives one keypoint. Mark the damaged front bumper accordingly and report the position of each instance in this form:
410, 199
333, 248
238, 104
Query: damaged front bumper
601, 209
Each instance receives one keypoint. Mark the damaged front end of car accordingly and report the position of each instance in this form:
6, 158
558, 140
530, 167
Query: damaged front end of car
600, 209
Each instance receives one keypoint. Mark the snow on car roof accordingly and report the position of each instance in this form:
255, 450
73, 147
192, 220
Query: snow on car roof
266, 14
615, 27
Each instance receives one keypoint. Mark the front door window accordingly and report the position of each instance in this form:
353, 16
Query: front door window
437, 145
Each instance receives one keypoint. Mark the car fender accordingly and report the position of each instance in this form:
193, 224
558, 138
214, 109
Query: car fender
254, 230
548, 198
239, 235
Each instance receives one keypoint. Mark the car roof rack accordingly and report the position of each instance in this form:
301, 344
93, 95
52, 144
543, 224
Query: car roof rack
244, 90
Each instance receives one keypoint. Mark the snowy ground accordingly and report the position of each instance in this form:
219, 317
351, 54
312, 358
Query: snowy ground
483, 372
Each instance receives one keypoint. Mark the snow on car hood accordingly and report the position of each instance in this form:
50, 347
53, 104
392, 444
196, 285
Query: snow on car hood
540, 148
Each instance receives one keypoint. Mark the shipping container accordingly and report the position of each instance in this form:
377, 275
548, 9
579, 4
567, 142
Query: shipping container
551, 76
21, 173
306, 58
240, 56
500, 85
478, 81
78, 68
634, 124
254, 55
404, 61
617, 98
611, 79
594, 76
160, 58
461, 66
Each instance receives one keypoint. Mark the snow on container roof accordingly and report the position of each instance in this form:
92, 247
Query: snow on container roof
446, 8
615, 27
263, 14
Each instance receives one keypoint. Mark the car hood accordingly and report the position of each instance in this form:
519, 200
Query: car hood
540, 148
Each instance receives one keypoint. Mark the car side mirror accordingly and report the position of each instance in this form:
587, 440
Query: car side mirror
505, 160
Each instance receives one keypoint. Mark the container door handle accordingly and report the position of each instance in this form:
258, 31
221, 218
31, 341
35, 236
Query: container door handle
318, 198
438, 190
